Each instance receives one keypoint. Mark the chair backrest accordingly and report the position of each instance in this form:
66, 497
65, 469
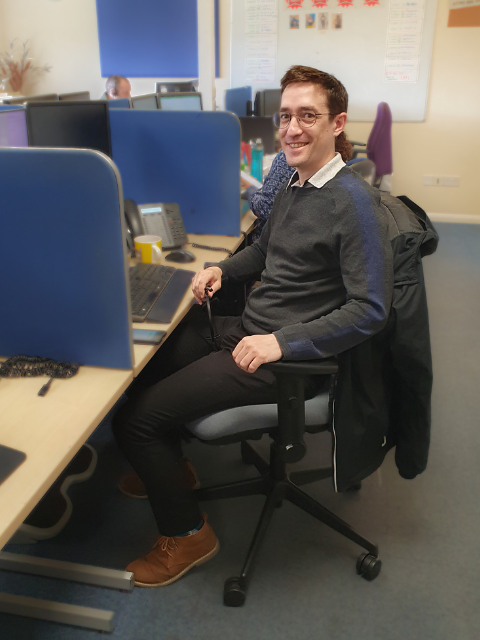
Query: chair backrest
379, 145
364, 167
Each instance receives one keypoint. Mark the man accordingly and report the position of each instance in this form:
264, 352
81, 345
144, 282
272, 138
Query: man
117, 87
326, 286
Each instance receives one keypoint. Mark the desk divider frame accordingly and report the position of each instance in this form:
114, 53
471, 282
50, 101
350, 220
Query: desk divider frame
63, 225
188, 157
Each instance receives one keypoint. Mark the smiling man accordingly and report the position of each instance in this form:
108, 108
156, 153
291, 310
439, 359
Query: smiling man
326, 286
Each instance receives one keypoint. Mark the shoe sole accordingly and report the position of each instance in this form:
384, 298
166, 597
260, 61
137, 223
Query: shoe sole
198, 562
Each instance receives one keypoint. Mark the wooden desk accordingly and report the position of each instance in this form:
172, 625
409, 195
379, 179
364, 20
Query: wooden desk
52, 429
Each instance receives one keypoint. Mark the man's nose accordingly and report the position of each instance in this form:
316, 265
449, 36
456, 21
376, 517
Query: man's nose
294, 127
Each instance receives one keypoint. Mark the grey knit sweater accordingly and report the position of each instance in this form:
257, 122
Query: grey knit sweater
326, 265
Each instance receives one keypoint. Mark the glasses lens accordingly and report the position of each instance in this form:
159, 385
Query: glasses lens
307, 119
281, 120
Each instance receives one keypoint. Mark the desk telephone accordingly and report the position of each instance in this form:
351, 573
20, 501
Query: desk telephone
159, 219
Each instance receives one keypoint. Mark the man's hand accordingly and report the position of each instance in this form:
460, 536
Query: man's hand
252, 351
210, 277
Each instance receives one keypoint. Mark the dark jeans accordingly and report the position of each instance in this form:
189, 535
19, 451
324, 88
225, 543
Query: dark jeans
185, 380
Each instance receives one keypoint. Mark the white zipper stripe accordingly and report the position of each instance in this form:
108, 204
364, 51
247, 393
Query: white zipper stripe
334, 448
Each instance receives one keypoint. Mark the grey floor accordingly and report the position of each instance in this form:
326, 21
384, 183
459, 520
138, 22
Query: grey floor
305, 585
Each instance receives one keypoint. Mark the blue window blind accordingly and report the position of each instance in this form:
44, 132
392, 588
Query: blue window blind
150, 38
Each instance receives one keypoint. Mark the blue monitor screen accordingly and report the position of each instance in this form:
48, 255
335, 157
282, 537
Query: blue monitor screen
13, 128
148, 103
180, 102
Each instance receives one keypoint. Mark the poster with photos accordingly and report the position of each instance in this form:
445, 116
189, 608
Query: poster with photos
295, 22
310, 21
337, 21
323, 21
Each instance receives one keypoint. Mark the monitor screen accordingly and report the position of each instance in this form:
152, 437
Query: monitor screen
175, 87
79, 125
180, 101
79, 95
24, 99
13, 128
148, 102
267, 102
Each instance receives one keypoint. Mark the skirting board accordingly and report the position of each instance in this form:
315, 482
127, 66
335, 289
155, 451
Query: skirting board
454, 217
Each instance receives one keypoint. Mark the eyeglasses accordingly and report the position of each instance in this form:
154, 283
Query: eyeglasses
305, 118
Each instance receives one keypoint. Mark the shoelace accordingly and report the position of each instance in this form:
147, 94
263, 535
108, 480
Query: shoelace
167, 544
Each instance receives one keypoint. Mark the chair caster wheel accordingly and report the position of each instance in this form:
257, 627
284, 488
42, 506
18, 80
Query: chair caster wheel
234, 594
368, 566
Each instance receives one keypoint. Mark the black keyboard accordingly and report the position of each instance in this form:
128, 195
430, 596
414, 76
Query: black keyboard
156, 291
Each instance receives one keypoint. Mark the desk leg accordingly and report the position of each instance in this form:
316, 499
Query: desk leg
98, 576
57, 612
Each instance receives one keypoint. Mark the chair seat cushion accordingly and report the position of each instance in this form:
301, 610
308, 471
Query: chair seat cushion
261, 417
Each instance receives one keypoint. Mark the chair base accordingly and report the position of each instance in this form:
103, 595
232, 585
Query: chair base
278, 485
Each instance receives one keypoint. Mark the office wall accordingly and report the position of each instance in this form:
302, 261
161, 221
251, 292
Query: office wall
447, 143
64, 34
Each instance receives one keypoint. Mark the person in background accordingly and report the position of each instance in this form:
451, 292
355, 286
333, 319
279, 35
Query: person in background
117, 87
261, 200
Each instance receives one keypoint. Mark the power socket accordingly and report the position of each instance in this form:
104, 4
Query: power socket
449, 181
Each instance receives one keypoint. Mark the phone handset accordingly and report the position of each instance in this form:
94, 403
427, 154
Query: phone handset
134, 222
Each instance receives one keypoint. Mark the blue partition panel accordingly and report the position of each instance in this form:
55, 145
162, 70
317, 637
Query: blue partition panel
119, 103
151, 38
236, 100
63, 288
8, 107
188, 157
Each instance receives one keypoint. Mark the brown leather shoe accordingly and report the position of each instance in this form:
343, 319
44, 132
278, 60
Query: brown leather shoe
171, 557
131, 485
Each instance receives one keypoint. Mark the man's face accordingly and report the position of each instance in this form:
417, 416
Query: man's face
124, 89
308, 149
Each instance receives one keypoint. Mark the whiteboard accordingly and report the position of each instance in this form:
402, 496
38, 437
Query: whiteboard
355, 55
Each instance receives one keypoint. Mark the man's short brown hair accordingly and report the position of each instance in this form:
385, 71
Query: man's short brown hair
337, 98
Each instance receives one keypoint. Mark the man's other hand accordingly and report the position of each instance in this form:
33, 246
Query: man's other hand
210, 277
252, 351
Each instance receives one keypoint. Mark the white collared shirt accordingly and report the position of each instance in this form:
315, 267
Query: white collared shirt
323, 175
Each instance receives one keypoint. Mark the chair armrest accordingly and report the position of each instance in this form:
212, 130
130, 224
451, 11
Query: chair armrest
303, 367
358, 144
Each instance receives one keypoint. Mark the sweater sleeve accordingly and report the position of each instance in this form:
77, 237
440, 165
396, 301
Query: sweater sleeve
261, 201
363, 250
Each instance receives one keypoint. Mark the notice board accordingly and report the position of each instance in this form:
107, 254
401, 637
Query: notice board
380, 49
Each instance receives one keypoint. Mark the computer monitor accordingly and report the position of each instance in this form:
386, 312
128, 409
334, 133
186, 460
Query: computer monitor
239, 101
13, 128
267, 102
146, 102
259, 127
79, 125
180, 101
175, 87
23, 99
79, 95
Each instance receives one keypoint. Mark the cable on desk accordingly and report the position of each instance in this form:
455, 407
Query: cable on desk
33, 366
204, 246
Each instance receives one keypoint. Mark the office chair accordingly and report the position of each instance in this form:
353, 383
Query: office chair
379, 147
366, 168
286, 423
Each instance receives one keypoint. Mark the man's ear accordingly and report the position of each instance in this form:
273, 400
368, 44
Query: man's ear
339, 122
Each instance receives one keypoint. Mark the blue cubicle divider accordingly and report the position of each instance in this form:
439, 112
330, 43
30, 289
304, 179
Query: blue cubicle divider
8, 107
192, 158
236, 100
119, 103
64, 276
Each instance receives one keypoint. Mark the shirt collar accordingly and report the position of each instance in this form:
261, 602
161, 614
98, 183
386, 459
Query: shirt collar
323, 175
